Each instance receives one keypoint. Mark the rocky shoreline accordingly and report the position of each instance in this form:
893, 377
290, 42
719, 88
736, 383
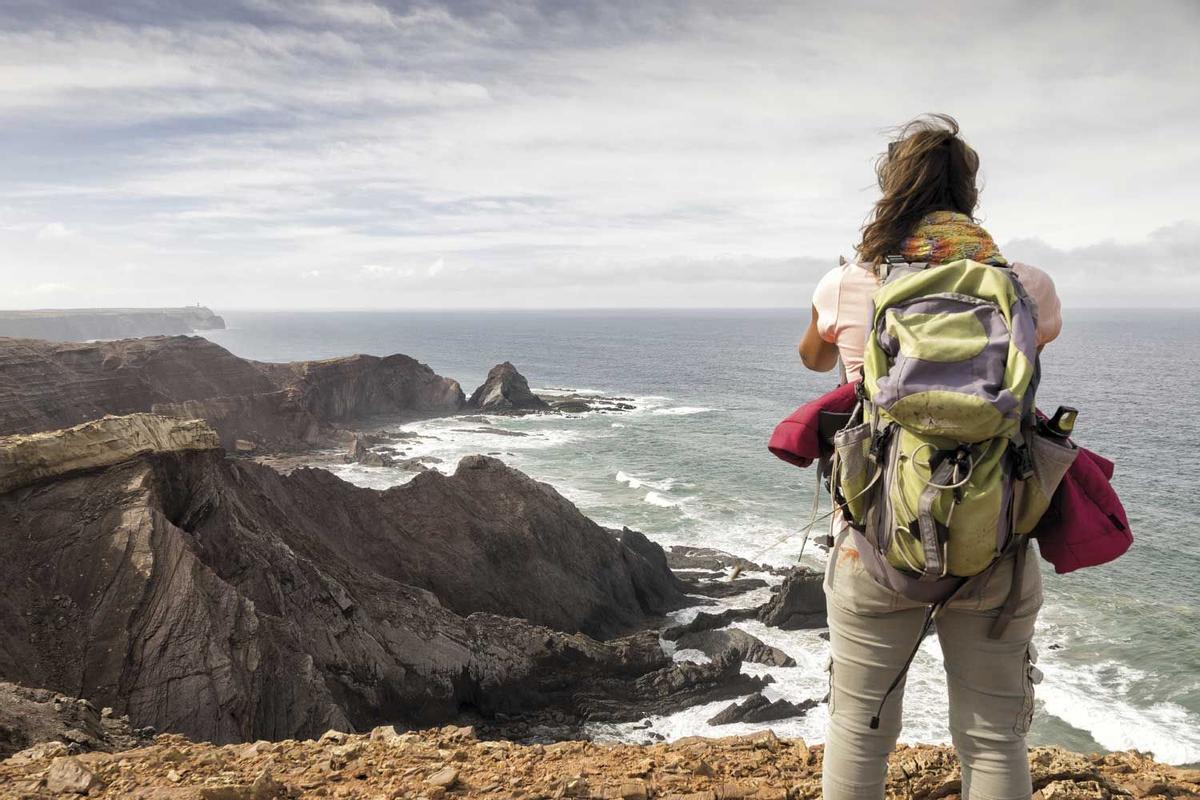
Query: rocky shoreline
157, 570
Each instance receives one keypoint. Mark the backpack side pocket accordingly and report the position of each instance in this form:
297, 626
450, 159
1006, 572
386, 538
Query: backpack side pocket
1051, 457
855, 471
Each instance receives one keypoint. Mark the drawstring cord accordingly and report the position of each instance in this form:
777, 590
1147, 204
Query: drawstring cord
929, 616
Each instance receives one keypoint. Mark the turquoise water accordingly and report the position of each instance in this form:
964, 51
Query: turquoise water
1119, 644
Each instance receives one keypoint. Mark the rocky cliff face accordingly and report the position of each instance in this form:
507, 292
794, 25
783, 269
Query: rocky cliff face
221, 599
82, 324
49, 385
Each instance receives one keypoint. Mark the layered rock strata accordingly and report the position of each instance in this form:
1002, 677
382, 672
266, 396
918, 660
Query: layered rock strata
218, 598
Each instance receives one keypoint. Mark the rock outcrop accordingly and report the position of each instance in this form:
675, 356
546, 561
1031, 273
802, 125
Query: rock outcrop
799, 602
451, 761
750, 648
100, 443
49, 385
505, 392
221, 599
82, 324
757, 708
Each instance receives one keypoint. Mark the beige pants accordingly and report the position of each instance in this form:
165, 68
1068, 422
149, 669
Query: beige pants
872, 630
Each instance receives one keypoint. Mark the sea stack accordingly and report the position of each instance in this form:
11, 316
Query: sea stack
506, 392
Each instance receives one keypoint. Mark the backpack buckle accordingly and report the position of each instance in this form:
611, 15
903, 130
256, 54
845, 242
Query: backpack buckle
1022, 462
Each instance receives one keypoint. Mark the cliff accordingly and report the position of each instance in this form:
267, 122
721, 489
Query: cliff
100, 443
50, 385
82, 324
226, 601
451, 762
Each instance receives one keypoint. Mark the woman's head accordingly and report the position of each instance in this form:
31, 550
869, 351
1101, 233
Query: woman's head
927, 168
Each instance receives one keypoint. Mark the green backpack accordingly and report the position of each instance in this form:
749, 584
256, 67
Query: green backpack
939, 469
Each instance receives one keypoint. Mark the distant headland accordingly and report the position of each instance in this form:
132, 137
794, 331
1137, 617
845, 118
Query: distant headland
82, 324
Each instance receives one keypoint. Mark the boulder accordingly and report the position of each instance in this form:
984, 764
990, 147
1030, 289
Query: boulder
506, 391
68, 776
360, 452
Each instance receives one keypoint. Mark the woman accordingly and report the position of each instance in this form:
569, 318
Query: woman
929, 196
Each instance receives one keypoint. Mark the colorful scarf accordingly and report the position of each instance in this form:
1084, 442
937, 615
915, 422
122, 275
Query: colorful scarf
945, 236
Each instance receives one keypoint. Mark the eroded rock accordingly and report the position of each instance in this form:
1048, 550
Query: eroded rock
506, 391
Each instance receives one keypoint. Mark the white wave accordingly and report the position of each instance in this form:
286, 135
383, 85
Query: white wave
688, 654
680, 411
637, 482
559, 391
617, 425
660, 500
1089, 697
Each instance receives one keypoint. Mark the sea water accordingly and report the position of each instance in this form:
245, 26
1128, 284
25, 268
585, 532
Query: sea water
1119, 645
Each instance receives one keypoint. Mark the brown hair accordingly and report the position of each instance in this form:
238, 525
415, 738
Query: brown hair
927, 168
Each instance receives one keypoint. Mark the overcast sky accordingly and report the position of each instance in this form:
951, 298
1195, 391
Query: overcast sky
352, 154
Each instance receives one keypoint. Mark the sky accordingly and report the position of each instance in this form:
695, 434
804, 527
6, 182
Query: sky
262, 154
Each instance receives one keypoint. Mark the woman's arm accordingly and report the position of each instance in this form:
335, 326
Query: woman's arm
816, 353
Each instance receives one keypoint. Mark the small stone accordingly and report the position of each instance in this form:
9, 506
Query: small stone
173, 776
632, 790
445, 777
68, 776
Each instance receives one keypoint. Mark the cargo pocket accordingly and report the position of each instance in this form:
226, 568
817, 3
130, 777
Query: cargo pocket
1032, 677
1051, 457
854, 471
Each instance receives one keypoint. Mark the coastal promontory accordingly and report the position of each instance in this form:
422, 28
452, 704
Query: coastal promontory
83, 324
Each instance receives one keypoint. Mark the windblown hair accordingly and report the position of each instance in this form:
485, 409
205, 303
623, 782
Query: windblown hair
927, 168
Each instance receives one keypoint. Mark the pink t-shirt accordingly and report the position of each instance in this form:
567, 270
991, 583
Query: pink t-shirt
842, 301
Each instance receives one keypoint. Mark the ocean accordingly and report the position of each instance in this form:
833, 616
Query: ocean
1119, 644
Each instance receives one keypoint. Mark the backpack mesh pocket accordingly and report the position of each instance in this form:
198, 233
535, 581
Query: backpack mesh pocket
855, 471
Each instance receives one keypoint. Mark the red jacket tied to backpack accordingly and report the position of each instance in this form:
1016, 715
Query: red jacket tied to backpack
1084, 526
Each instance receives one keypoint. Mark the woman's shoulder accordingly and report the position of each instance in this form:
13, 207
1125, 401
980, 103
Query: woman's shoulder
1037, 281
849, 274
1040, 288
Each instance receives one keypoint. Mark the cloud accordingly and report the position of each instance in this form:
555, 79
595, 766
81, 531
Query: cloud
53, 230
1156, 270
623, 152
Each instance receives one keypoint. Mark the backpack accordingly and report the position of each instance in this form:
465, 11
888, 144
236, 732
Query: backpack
940, 469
